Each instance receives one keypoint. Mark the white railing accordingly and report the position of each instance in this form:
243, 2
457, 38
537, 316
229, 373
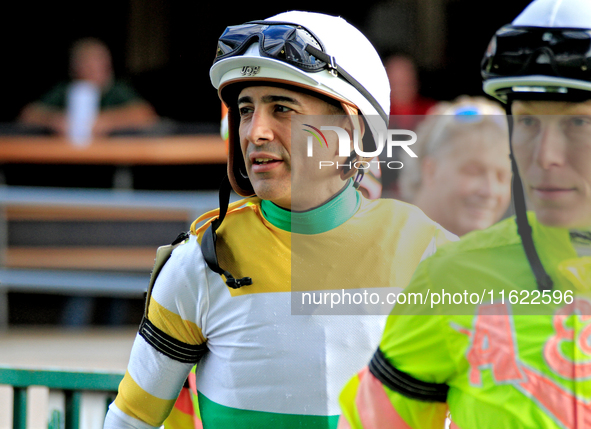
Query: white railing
55, 399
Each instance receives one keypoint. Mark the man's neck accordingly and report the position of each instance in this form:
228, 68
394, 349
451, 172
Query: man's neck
334, 212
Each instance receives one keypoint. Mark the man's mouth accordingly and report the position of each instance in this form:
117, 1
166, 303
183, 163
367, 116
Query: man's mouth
262, 161
551, 192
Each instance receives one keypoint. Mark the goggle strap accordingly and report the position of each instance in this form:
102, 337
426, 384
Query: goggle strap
335, 68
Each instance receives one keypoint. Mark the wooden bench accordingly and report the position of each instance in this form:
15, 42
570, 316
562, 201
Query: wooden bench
86, 267
119, 162
166, 150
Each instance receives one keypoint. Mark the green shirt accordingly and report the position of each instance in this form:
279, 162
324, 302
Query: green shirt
117, 94
509, 362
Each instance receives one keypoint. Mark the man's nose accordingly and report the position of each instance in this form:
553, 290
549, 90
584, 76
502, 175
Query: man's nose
549, 149
260, 129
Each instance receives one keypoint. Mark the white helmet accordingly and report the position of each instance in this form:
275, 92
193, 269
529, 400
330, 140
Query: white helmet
545, 51
321, 53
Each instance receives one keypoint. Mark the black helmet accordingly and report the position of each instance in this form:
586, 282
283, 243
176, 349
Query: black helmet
544, 52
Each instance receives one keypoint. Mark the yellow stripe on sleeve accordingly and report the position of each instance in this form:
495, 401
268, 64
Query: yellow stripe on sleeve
174, 325
136, 402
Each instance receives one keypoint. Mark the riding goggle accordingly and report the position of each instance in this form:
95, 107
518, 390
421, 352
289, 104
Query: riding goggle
520, 51
290, 43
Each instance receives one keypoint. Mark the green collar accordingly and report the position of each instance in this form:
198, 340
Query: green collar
551, 241
328, 216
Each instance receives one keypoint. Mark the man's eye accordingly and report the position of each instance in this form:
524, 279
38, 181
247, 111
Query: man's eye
527, 121
580, 121
244, 110
283, 109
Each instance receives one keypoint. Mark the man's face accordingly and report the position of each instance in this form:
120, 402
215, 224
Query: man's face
552, 145
471, 183
93, 63
266, 115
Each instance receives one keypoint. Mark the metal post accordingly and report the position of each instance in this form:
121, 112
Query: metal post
19, 416
123, 178
3, 308
3, 252
73, 403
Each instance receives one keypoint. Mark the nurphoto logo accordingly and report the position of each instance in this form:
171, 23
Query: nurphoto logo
386, 141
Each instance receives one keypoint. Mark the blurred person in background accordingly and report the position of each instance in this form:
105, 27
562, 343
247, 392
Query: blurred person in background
119, 106
407, 108
461, 178
405, 99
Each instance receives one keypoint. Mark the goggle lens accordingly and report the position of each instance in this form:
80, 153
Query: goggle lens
281, 41
528, 51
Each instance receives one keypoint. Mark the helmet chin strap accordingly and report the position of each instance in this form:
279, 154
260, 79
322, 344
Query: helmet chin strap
347, 173
208, 242
356, 124
543, 280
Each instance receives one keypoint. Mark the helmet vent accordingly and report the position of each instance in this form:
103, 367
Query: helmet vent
543, 58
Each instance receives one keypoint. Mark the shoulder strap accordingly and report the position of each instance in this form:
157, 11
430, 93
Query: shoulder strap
161, 341
162, 255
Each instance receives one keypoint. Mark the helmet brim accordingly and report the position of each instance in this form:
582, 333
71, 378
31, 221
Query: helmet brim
514, 86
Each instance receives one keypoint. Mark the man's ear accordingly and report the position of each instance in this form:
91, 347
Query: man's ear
357, 123
353, 121
350, 123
